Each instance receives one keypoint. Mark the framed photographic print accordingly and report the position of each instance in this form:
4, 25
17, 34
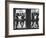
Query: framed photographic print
25, 18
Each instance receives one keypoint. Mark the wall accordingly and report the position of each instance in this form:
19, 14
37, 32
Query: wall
2, 19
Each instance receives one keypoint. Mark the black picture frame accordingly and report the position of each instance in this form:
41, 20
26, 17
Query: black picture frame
6, 18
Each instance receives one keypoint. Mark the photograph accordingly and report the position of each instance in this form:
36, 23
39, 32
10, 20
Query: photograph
25, 18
